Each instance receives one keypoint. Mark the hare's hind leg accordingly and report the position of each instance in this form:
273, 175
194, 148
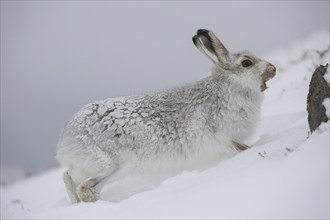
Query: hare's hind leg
90, 189
71, 187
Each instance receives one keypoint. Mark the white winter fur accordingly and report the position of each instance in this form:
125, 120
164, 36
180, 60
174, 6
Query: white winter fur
167, 132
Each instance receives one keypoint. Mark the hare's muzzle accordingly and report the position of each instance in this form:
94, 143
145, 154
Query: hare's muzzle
267, 75
271, 69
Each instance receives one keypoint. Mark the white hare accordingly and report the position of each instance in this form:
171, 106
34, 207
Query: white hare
179, 129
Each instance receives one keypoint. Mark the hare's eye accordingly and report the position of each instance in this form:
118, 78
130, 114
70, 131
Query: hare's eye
246, 63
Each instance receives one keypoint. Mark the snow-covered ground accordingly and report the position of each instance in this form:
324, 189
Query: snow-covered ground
285, 174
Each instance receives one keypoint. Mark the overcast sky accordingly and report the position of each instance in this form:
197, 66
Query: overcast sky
57, 56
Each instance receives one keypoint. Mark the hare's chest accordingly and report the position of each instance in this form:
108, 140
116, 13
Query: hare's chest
241, 115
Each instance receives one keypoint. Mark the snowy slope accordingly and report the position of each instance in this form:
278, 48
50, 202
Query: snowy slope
284, 175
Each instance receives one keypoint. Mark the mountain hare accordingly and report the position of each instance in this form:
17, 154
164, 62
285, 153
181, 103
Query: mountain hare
181, 129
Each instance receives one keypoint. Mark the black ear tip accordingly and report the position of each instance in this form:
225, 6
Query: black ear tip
202, 31
194, 39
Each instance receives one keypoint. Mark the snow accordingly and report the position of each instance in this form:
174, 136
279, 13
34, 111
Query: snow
326, 104
285, 174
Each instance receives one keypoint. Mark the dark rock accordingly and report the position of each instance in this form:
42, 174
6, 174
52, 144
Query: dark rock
319, 90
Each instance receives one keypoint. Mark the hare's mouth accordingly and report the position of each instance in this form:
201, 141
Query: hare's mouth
263, 86
267, 75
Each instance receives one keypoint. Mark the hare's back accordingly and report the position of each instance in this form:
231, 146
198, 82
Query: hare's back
108, 120
101, 129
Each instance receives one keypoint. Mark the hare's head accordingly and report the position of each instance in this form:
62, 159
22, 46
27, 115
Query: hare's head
241, 65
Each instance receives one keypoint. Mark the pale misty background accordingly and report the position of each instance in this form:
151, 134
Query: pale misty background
57, 56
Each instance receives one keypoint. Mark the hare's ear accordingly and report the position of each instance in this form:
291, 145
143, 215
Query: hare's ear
211, 46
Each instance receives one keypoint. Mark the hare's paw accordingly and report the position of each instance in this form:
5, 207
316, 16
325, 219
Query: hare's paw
70, 187
240, 147
86, 194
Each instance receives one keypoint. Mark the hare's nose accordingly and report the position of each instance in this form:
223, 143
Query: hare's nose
271, 68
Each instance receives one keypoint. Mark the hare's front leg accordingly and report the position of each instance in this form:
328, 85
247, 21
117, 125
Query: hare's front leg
240, 147
90, 189
71, 187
